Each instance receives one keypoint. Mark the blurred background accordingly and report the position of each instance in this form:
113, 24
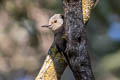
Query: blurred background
24, 44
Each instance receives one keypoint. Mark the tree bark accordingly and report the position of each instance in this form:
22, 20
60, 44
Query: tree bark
76, 40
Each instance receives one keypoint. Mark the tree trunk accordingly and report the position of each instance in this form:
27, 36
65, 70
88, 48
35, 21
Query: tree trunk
76, 40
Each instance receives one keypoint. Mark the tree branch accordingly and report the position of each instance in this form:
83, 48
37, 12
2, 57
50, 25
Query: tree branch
87, 6
53, 67
77, 42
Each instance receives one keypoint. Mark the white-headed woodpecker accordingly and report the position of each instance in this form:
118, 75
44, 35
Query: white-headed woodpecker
56, 25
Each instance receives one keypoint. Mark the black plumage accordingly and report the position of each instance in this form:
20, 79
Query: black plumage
60, 41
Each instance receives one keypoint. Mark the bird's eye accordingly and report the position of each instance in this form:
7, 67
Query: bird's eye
55, 21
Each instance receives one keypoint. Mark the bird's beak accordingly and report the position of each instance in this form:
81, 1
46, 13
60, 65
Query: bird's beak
45, 25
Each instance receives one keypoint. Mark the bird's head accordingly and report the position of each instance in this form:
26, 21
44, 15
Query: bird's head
55, 22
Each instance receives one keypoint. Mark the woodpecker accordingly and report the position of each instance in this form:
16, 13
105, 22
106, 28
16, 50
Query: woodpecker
56, 25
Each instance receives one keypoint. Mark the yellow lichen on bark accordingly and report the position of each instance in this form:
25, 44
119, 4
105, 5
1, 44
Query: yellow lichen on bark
87, 5
53, 67
47, 71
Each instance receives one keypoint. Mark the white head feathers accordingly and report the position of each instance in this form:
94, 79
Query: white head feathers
56, 21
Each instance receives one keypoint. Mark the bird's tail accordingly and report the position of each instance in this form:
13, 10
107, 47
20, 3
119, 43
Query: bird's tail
67, 59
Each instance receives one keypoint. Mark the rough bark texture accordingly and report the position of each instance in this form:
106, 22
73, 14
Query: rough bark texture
54, 66
77, 42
